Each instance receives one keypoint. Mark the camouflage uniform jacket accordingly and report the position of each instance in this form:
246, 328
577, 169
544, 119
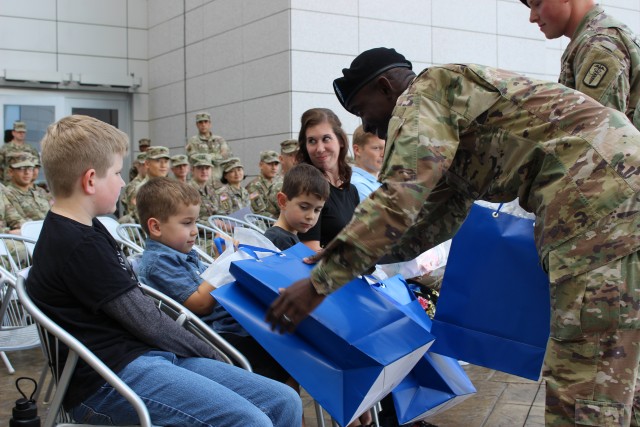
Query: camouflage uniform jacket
603, 61
30, 204
263, 196
12, 147
10, 219
127, 196
214, 145
231, 199
208, 201
461, 133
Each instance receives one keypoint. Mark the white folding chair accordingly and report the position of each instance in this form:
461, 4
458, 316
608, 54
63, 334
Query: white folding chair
31, 229
260, 221
18, 331
132, 233
55, 338
225, 224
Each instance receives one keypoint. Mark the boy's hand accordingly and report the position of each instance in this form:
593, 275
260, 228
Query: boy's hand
293, 305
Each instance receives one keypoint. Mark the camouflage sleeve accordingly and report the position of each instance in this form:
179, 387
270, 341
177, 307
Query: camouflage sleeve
439, 219
190, 147
601, 70
12, 219
225, 150
422, 140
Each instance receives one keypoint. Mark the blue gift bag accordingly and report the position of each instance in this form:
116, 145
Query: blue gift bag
437, 382
348, 354
493, 308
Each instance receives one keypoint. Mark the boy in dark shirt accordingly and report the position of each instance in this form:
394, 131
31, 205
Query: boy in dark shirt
81, 279
301, 199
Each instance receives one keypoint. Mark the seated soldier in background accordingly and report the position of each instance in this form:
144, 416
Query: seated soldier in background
201, 180
143, 145
129, 217
29, 203
288, 151
180, 167
156, 164
264, 188
42, 186
232, 196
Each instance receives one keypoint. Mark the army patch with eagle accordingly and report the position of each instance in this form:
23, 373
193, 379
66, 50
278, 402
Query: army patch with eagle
596, 73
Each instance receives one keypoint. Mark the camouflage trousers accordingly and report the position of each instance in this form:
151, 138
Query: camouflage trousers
593, 356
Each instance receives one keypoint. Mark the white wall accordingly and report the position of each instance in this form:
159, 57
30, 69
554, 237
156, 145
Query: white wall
256, 65
98, 37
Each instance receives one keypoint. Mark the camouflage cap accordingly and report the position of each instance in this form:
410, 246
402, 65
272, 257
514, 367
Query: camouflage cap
201, 159
157, 152
269, 156
202, 116
141, 157
364, 68
230, 163
289, 146
144, 142
19, 159
36, 161
179, 160
19, 126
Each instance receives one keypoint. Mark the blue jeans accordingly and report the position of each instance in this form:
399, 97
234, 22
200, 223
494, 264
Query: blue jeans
193, 392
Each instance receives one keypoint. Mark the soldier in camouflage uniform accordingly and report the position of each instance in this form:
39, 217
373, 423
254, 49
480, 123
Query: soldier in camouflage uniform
206, 142
264, 188
18, 144
156, 164
232, 196
460, 133
10, 219
180, 167
143, 145
288, 152
29, 203
201, 179
603, 58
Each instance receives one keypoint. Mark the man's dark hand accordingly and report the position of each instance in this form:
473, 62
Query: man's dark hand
293, 305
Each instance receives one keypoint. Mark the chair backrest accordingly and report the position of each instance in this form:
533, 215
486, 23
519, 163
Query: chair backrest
14, 254
260, 221
192, 323
52, 336
132, 233
31, 229
226, 224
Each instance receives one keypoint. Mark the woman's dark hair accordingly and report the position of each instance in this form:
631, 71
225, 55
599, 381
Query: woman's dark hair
316, 116
8, 135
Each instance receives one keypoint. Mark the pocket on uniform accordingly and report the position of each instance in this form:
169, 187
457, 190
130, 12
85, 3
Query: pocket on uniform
586, 303
601, 305
595, 413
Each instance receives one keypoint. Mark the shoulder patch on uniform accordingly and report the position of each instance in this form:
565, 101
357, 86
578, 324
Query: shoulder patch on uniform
595, 74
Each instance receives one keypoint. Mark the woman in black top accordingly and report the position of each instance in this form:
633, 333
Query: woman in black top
324, 144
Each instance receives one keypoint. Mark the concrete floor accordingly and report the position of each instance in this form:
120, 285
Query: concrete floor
501, 400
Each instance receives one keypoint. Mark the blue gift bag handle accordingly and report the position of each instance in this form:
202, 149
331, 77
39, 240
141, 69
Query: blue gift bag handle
251, 250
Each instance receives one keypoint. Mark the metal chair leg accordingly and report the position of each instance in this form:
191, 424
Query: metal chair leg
7, 363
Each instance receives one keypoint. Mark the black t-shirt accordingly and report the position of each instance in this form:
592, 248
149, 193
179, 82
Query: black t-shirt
76, 270
336, 213
281, 238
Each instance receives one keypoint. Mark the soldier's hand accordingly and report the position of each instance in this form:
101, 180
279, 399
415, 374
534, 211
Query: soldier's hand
293, 305
314, 258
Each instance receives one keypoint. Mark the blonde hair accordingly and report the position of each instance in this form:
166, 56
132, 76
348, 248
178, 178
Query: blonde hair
75, 144
162, 197
360, 137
